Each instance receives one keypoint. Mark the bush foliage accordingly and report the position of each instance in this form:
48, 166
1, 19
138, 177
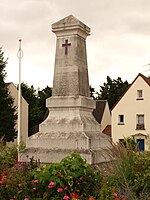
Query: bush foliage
126, 177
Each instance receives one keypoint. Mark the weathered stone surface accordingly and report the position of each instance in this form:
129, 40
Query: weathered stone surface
71, 73
70, 125
49, 155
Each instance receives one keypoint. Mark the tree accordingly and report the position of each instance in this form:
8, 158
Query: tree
29, 93
37, 106
42, 96
92, 92
8, 115
112, 90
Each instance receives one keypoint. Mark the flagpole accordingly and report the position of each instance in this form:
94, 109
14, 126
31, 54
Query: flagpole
19, 55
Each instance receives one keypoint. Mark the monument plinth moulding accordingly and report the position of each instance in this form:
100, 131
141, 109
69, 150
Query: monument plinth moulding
70, 125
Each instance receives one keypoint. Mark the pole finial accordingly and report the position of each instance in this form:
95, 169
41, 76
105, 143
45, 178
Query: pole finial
20, 52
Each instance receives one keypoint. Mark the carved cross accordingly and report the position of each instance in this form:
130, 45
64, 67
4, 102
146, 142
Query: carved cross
66, 45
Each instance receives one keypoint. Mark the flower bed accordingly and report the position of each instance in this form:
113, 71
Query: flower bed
126, 178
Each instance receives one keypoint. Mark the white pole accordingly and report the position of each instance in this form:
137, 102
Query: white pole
20, 55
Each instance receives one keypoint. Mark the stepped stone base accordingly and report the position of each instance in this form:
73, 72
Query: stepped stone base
56, 155
69, 127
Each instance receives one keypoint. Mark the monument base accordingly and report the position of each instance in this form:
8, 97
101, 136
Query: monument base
94, 156
69, 127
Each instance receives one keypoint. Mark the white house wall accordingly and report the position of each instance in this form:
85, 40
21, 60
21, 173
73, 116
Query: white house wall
129, 106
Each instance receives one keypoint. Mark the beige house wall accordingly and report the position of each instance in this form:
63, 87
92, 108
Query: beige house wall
129, 106
24, 112
106, 119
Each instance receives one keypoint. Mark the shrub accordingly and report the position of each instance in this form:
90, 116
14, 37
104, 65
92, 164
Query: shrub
8, 156
106, 193
126, 177
73, 177
130, 172
14, 182
141, 183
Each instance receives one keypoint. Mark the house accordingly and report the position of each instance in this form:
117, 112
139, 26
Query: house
102, 116
24, 111
131, 115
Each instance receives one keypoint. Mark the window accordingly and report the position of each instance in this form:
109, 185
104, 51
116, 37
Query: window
121, 119
140, 122
139, 94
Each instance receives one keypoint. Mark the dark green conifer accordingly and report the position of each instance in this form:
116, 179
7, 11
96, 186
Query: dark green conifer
7, 109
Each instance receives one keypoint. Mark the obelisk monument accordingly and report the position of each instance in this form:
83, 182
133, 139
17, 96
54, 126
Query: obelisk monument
70, 125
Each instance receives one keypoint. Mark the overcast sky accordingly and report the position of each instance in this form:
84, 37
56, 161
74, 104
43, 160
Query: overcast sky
119, 44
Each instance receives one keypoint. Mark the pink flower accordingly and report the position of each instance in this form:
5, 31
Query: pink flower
117, 198
26, 198
20, 184
66, 197
123, 197
35, 181
19, 191
58, 174
65, 188
34, 188
51, 184
115, 194
59, 190
3, 178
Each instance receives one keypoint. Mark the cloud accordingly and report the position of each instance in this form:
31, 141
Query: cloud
119, 43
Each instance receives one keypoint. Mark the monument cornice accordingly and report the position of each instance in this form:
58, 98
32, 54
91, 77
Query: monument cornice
70, 25
75, 30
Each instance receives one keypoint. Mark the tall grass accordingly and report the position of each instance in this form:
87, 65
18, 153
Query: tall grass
128, 169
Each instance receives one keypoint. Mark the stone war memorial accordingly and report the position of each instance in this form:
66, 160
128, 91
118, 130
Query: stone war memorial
70, 125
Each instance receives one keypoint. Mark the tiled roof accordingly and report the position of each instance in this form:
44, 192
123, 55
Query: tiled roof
107, 130
146, 79
98, 112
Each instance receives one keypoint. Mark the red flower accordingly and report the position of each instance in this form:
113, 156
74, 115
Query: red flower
58, 174
117, 198
91, 198
76, 196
